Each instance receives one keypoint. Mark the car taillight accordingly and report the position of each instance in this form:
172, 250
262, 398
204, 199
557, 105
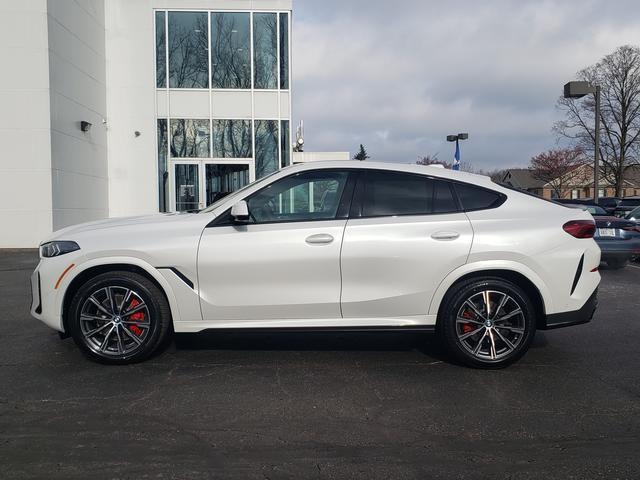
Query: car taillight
580, 228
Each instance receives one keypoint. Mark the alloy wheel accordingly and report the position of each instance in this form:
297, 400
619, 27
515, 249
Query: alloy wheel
115, 321
490, 325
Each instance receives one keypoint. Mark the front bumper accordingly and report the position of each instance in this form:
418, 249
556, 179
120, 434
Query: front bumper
576, 317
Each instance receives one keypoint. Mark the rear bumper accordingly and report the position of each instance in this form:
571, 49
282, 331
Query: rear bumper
576, 317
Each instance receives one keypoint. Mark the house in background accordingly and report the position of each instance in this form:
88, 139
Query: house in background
576, 184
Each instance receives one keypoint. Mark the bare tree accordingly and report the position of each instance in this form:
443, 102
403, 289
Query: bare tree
618, 74
431, 160
558, 168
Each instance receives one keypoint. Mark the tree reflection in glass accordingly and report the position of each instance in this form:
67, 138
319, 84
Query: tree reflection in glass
231, 138
265, 50
188, 50
230, 50
190, 138
266, 145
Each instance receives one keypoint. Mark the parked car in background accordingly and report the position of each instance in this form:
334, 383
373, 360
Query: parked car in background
634, 215
595, 210
609, 204
328, 245
575, 201
618, 238
626, 205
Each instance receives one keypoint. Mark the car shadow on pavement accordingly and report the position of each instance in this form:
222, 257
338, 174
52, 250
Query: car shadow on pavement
313, 341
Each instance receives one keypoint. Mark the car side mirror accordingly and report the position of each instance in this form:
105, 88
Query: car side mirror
240, 212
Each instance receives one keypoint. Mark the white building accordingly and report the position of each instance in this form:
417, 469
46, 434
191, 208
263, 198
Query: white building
127, 107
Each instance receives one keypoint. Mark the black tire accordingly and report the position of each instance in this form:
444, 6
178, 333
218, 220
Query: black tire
617, 263
148, 320
502, 338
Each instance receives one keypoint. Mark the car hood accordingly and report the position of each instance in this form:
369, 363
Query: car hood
67, 233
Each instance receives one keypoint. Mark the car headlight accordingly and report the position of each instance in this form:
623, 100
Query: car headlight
57, 248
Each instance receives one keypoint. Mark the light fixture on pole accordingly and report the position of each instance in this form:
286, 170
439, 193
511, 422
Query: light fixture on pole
456, 156
579, 90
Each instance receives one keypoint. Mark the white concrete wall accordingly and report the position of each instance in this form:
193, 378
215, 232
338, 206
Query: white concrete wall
25, 163
131, 100
302, 157
78, 92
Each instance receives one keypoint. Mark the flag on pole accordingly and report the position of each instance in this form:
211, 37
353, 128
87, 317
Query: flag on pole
456, 157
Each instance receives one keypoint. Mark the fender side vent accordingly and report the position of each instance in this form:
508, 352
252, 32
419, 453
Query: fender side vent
578, 274
179, 274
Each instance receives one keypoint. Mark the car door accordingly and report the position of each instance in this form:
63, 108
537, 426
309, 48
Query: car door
404, 235
285, 262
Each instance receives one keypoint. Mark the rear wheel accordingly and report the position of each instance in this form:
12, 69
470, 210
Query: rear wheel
119, 317
487, 322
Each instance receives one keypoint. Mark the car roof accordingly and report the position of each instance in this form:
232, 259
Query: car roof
431, 170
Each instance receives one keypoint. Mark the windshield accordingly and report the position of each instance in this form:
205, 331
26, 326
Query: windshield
236, 194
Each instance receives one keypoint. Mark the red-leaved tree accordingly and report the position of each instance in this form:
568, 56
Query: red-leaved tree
557, 167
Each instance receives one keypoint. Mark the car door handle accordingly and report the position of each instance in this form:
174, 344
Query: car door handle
445, 235
319, 239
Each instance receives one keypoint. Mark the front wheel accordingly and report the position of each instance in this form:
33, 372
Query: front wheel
487, 322
119, 317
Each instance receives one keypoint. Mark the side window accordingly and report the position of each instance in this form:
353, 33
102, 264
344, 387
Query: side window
443, 201
303, 197
476, 198
390, 193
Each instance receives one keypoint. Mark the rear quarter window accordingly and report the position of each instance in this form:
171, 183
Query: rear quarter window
472, 197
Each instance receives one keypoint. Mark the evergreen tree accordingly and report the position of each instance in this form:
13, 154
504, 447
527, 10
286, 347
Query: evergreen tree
362, 154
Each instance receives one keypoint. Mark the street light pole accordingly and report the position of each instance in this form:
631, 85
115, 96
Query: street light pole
579, 90
457, 138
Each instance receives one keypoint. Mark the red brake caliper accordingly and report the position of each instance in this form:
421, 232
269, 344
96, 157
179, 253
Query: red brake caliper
136, 317
467, 327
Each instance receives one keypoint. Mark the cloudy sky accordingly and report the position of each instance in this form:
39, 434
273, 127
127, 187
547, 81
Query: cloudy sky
398, 76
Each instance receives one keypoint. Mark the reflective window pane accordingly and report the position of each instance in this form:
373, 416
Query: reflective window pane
390, 193
221, 180
189, 138
266, 144
284, 51
163, 170
188, 50
285, 144
187, 187
265, 50
232, 138
161, 59
303, 197
230, 50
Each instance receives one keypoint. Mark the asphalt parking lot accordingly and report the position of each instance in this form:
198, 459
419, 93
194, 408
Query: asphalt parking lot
320, 405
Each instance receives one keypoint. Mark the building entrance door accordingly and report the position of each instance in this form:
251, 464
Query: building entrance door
196, 184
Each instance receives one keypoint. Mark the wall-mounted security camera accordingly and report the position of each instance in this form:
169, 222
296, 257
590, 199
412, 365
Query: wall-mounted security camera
85, 126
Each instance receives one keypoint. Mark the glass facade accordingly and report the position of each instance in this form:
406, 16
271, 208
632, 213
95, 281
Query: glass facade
161, 51
265, 50
266, 144
284, 51
188, 50
232, 139
189, 138
163, 166
230, 50
201, 159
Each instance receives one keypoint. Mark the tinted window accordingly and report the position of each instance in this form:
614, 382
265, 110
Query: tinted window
189, 138
266, 145
230, 50
265, 50
302, 197
284, 51
443, 201
161, 60
188, 50
232, 138
476, 198
389, 193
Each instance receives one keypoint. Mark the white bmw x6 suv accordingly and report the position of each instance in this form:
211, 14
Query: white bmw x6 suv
328, 246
